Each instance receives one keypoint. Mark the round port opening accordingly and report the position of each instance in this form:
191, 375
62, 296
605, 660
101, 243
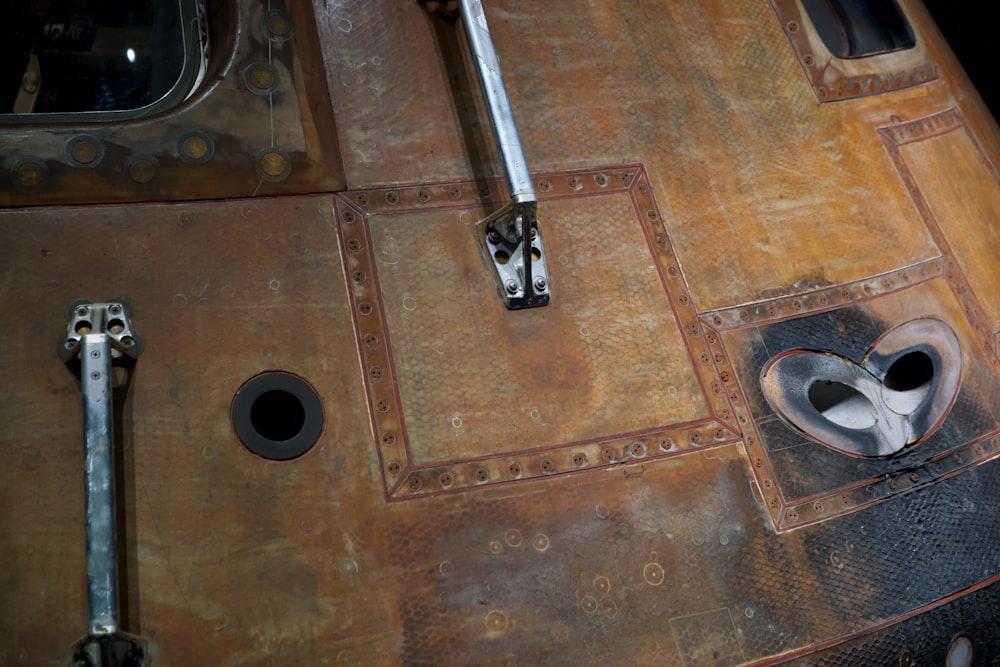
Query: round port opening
277, 415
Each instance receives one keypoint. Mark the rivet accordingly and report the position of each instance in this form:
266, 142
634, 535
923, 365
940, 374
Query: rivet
272, 164
84, 151
277, 26
29, 174
261, 78
195, 147
142, 168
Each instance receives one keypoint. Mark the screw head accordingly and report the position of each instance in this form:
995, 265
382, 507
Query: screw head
511, 287
493, 235
540, 283
115, 309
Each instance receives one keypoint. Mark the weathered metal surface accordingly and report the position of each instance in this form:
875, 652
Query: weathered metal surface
682, 160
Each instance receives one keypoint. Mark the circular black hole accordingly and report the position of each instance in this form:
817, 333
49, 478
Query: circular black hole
911, 371
277, 415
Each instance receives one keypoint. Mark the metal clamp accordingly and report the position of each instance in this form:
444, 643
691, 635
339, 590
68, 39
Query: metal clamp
99, 336
511, 236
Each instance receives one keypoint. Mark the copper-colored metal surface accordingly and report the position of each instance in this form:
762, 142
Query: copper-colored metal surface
599, 481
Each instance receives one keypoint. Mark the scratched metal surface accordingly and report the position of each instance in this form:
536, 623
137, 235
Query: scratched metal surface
740, 193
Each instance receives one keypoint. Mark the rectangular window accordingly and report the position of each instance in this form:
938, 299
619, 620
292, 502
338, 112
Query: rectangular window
860, 28
125, 57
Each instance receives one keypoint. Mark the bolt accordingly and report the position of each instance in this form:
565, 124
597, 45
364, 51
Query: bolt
511, 287
493, 235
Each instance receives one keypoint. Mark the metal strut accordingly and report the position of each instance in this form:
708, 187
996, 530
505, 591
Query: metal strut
511, 236
98, 337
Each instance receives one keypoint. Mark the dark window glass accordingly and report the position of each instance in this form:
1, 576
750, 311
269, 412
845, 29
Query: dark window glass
76, 56
859, 28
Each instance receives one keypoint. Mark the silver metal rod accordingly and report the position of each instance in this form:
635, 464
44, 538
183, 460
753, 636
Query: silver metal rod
99, 474
491, 78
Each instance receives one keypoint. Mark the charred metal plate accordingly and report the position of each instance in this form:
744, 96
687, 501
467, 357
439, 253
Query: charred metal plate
464, 392
804, 481
927, 633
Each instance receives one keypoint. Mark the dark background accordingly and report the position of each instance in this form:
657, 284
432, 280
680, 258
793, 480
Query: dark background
972, 28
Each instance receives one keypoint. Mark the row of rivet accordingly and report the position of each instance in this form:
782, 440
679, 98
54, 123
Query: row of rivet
370, 329
760, 464
87, 152
704, 360
405, 198
822, 300
569, 459
945, 464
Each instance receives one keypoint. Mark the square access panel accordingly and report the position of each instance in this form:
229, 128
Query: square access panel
464, 393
